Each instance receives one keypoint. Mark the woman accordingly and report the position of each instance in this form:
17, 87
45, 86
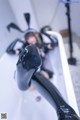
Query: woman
36, 38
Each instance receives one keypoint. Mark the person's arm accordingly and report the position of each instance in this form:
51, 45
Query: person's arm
12, 47
18, 51
47, 47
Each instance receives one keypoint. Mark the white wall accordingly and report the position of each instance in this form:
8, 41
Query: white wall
45, 10
6, 16
21, 7
50, 12
75, 18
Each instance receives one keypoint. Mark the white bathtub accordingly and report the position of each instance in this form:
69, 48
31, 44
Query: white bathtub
19, 105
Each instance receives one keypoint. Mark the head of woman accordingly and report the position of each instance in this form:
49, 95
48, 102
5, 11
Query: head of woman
30, 38
34, 38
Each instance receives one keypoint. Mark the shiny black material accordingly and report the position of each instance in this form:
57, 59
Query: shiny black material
29, 61
14, 26
51, 93
27, 18
29, 58
26, 74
